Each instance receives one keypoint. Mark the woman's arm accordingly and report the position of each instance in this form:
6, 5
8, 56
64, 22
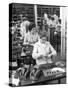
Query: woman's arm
53, 51
26, 39
35, 53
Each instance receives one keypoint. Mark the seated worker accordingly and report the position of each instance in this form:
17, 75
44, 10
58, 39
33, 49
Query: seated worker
43, 50
31, 37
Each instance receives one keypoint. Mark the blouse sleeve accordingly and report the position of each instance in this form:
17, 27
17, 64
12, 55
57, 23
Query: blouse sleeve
35, 53
26, 39
53, 51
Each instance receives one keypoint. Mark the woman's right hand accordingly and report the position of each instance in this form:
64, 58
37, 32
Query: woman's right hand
40, 57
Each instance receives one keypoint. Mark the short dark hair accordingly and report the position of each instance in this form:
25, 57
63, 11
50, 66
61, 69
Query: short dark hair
32, 25
52, 18
43, 34
59, 21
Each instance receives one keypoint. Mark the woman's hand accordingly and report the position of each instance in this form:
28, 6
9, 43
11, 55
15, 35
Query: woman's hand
49, 55
40, 57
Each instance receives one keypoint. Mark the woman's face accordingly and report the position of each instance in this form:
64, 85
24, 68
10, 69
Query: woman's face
33, 31
43, 39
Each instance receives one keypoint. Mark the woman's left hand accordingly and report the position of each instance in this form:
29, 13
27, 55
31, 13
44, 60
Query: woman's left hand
49, 55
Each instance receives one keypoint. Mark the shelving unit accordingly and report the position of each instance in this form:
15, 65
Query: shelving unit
24, 9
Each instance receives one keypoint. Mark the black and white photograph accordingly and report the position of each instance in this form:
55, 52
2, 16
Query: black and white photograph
37, 44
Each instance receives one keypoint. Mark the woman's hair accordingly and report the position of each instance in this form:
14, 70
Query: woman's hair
43, 34
31, 26
59, 21
52, 18
49, 16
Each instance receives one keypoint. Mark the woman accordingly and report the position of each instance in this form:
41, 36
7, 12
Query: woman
43, 50
24, 26
31, 37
